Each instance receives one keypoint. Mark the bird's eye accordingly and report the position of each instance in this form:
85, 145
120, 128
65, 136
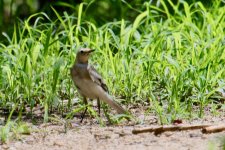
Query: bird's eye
81, 52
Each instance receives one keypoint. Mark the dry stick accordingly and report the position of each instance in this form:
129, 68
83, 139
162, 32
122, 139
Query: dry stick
213, 129
158, 130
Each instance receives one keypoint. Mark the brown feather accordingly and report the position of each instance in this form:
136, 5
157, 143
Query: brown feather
96, 77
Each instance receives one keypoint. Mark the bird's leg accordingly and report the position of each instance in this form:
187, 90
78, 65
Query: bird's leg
99, 107
83, 114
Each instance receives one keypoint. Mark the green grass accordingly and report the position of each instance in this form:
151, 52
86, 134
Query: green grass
172, 63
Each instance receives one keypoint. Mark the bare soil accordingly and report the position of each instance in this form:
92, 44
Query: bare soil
91, 135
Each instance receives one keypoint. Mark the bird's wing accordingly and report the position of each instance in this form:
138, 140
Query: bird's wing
96, 77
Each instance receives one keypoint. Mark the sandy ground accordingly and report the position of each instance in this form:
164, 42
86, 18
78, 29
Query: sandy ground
85, 138
90, 135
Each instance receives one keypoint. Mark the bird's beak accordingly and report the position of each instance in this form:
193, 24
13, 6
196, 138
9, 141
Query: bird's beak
90, 51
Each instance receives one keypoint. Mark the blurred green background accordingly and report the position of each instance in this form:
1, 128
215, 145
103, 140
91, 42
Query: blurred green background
97, 11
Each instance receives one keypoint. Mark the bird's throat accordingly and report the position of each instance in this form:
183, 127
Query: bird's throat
82, 65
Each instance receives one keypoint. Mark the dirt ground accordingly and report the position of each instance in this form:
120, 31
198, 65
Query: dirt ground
90, 135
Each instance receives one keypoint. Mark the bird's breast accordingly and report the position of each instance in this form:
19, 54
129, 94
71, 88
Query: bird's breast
88, 88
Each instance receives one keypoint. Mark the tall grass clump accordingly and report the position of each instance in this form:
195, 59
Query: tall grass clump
174, 63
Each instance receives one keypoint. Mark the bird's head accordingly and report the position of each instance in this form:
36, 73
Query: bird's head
83, 55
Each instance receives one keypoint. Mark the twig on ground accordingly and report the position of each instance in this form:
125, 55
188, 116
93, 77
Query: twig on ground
161, 129
213, 129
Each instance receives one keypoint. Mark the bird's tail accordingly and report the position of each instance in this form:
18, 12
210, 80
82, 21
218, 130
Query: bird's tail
108, 99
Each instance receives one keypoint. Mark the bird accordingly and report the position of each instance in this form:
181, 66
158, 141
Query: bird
89, 83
